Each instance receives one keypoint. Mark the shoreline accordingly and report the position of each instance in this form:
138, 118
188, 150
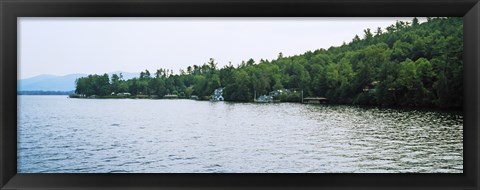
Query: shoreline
404, 108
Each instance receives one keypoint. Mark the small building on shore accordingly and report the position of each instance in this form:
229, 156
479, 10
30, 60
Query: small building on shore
276, 93
315, 100
370, 87
264, 99
170, 96
218, 95
124, 94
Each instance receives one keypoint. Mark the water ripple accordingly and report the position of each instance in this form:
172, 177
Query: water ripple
63, 135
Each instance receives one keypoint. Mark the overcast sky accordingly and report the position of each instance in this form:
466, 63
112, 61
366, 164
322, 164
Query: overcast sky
61, 46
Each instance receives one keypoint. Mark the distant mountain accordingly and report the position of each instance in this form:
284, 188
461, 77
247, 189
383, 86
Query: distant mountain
36, 79
58, 83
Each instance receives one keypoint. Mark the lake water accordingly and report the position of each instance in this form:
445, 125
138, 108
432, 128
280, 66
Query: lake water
61, 135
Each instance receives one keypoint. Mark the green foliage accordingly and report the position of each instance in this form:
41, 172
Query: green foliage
417, 64
239, 90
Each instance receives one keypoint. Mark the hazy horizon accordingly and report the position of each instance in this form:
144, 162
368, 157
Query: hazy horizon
64, 46
56, 75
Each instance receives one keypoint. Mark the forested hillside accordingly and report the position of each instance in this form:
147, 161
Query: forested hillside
406, 64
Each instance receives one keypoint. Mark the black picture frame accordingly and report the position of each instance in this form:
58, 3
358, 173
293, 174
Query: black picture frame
11, 9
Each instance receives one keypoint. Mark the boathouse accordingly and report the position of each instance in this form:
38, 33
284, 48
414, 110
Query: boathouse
218, 95
315, 100
264, 99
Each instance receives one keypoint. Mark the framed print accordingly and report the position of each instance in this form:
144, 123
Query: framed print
228, 95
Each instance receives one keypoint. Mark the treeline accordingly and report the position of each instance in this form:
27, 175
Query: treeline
405, 64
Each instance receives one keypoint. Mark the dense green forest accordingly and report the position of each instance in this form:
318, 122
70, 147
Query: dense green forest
406, 64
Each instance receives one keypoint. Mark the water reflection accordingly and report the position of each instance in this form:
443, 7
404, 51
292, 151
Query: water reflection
56, 134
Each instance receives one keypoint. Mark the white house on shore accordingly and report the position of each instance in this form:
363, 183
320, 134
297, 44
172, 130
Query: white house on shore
218, 95
124, 94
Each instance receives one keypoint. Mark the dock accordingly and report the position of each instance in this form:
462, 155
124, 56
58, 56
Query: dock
315, 100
